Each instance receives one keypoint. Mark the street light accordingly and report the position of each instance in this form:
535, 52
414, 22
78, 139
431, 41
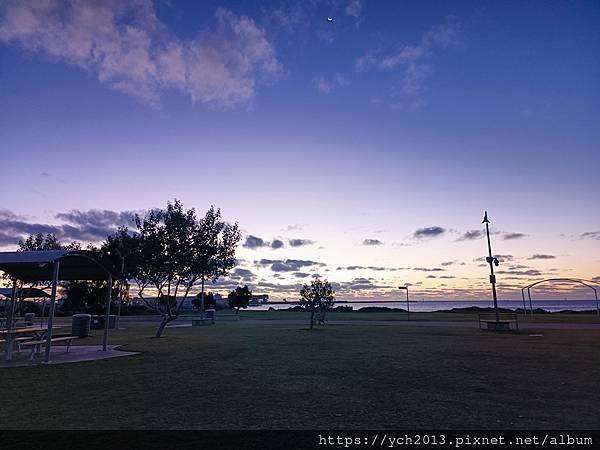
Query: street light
407, 302
123, 280
491, 261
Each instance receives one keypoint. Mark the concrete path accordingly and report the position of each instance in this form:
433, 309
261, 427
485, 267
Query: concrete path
58, 355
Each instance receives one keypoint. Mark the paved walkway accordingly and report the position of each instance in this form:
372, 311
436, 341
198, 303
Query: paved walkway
58, 355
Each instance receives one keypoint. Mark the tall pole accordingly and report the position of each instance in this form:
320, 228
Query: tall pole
407, 304
51, 312
597, 306
9, 321
121, 290
107, 316
491, 260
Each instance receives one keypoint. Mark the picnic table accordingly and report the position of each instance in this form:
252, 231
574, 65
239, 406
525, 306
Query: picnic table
11, 336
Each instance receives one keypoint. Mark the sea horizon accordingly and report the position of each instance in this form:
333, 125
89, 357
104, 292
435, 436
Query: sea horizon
441, 305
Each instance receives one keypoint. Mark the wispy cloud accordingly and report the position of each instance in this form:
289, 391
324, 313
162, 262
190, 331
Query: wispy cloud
414, 62
326, 85
371, 242
429, 232
300, 242
129, 49
590, 235
541, 256
513, 235
354, 9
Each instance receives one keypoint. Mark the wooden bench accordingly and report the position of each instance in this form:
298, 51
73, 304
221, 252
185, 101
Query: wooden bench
19, 341
503, 322
36, 346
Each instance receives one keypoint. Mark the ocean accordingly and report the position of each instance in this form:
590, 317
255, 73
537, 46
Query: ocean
431, 305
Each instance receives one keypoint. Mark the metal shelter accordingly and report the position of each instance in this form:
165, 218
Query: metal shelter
54, 266
587, 283
25, 293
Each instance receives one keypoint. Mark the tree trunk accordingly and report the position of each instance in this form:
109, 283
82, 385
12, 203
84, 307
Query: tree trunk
202, 300
312, 318
163, 324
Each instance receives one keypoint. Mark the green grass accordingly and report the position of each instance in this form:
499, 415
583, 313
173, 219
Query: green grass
591, 317
286, 377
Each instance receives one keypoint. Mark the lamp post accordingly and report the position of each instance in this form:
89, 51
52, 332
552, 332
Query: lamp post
491, 261
122, 280
405, 287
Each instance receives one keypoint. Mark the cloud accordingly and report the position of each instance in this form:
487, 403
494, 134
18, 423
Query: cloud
254, 242
244, 275
87, 226
372, 242
414, 62
425, 269
541, 256
471, 235
354, 9
128, 48
300, 274
277, 243
509, 236
295, 227
288, 265
375, 268
590, 235
327, 85
520, 273
429, 232
300, 242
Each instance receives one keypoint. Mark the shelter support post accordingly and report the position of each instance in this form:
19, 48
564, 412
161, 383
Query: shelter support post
9, 321
530, 306
597, 306
51, 312
106, 319
523, 296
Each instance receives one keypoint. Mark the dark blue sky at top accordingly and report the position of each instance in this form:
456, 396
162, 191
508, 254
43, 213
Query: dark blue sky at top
516, 99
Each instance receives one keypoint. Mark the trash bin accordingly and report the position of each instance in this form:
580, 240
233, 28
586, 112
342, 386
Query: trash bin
98, 322
210, 314
29, 318
81, 325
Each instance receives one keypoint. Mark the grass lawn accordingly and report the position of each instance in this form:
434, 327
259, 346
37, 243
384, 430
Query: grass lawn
590, 317
248, 377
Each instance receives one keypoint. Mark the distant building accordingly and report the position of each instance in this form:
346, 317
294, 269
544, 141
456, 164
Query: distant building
258, 300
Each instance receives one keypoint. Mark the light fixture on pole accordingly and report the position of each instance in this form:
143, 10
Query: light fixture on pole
405, 287
491, 261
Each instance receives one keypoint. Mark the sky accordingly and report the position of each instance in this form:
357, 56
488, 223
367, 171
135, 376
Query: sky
363, 149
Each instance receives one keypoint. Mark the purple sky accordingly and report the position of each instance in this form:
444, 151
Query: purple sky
363, 149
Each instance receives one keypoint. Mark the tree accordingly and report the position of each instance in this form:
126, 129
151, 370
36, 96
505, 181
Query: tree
175, 250
317, 298
239, 298
121, 251
87, 296
215, 246
209, 300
